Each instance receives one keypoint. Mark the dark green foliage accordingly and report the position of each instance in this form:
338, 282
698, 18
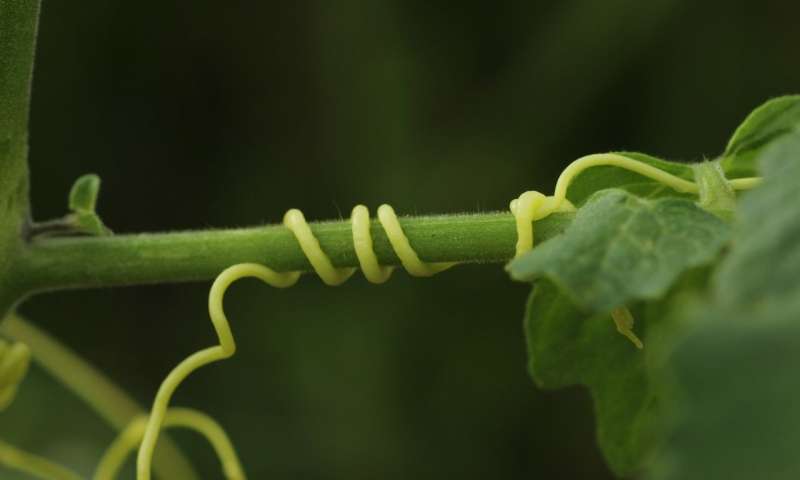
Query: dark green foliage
619, 249
735, 396
728, 397
567, 346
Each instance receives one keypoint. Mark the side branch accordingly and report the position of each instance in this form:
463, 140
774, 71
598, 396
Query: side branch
89, 262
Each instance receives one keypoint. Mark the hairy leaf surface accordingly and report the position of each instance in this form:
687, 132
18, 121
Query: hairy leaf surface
622, 248
735, 377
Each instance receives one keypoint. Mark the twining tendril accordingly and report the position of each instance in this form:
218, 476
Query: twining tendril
14, 361
532, 205
529, 207
296, 223
128, 440
362, 243
226, 348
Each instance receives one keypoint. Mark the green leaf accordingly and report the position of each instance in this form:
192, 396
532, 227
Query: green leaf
567, 346
766, 123
83, 195
82, 219
82, 202
621, 248
735, 390
600, 178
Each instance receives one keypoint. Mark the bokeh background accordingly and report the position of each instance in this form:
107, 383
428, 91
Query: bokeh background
220, 114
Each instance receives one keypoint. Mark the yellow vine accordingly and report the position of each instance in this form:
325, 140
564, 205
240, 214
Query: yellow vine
129, 439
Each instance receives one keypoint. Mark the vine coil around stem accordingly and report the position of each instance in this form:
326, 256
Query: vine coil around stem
527, 208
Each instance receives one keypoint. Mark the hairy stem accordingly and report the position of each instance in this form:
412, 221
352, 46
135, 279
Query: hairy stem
18, 23
87, 262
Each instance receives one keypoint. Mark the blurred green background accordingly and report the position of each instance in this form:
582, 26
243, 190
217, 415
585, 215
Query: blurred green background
221, 114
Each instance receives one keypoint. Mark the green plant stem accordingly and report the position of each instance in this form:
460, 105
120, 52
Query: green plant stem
93, 387
18, 23
88, 262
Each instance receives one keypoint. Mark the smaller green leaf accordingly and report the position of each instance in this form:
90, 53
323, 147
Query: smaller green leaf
622, 248
82, 202
769, 121
84, 192
600, 178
